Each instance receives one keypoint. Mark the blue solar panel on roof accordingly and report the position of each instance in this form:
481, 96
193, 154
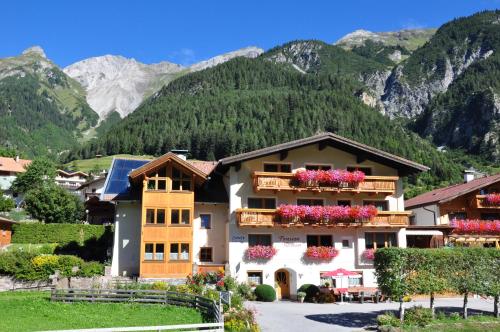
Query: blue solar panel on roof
118, 177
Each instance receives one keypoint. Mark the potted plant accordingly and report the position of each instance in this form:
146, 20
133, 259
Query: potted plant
301, 296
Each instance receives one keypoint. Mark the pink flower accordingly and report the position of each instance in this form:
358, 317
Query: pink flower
329, 178
493, 199
260, 252
321, 253
369, 254
327, 214
476, 226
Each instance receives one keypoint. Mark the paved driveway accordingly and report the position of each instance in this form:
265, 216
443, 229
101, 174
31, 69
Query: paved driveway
302, 317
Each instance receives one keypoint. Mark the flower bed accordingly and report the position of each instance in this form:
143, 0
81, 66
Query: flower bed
492, 199
325, 214
260, 252
321, 253
331, 178
476, 226
369, 254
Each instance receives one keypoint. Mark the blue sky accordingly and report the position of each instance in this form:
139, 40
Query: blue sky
189, 31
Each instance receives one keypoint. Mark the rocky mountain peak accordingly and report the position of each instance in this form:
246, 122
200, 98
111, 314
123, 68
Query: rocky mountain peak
247, 52
35, 50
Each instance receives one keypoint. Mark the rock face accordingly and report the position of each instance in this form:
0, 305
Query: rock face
115, 83
303, 55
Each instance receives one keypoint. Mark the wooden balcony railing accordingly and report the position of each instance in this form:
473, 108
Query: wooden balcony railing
269, 218
481, 203
286, 181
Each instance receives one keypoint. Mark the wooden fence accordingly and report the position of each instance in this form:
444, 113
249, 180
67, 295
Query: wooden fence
209, 308
207, 327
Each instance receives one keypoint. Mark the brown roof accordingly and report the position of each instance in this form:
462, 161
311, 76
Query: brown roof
11, 165
363, 151
446, 194
7, 221
204, 166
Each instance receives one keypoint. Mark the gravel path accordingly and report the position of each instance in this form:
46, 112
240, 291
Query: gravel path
292, 316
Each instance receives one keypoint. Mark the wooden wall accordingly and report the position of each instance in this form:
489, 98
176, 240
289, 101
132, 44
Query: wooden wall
5, 233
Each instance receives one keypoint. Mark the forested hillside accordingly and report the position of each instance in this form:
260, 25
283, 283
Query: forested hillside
247, 104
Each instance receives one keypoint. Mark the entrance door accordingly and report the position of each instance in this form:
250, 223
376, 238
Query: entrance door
282, 277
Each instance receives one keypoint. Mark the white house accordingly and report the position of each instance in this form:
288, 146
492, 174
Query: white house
175, 216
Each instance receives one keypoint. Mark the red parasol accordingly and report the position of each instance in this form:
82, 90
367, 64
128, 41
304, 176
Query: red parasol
340, 273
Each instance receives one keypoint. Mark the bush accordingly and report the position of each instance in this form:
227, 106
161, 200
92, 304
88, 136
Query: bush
159, 285
59, 233
90, 269
418, 316
312, 292
265, 293
245, 291
326, 298
388, 319
242, 320
6, 203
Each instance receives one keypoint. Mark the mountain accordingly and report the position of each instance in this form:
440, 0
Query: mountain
117, 84
42, 110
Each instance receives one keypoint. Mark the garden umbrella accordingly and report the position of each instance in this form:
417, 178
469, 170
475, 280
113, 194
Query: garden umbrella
340, 273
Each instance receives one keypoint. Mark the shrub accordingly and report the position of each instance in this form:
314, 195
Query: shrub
326, 298
242, 320
69, 265
245, 291
90, 269
159, 285
418, 316
6, 203
230, 283
312, 292
265, 293
59, 233
388, 319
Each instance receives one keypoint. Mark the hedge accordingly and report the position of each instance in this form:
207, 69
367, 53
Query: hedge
60, 233
312, 292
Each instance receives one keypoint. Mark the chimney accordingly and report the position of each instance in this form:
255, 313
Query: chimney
469, 175
181, 153
17, 159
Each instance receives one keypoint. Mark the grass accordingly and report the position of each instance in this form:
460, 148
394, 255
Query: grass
85, 165
476, 323
33, 311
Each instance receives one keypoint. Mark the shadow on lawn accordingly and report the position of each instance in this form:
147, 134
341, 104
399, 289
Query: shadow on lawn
362, 319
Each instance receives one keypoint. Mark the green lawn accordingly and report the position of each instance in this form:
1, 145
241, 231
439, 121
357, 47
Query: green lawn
473, 324
85, 165
33, 311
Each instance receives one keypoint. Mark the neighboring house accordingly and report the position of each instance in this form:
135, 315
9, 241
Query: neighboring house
467, 203
97, 212
5, 230
9, 169
70, 180
175, 216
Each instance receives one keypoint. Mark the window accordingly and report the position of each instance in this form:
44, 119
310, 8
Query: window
312, 167
344, 202
261, 203
155, 216
380, 205
205, 254
158, 180
324, 281
154, 251
179, 251
346, 244
160, 216
310, 202
355, 281
180, 181
380, 240
254, 277
319, 240
180, 217
283, 168
150, 216
259, 239
366, 170
206, 221
457, 215
490, 216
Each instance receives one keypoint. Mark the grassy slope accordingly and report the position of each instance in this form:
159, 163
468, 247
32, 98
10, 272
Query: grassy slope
32, 311
86, 165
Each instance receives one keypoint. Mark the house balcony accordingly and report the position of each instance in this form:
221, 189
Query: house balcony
286, 181
481, 203
270, 218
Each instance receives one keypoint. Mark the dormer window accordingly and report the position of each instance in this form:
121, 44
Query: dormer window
180, 181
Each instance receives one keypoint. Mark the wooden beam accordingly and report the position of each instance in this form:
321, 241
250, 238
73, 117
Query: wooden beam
283, 155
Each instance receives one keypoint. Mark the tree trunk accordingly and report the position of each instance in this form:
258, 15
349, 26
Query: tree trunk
466, 300
433, 308
495, 307
401, 309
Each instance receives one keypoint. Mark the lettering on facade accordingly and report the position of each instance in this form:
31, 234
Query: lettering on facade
290, 241
238, 238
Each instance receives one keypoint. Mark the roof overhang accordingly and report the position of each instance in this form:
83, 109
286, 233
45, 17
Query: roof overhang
155, 164
362, 151
7, 221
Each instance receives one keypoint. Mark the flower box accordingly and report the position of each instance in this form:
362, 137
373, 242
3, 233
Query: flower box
492, 199
332, 178
259, 252
476, 226
325, 214
326, 253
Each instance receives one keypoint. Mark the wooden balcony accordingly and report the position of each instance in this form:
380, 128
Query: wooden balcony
481, 203
269, 218
286, 181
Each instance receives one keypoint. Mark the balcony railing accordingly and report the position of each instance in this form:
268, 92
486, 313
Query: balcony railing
270, 218
286, 181
482, 204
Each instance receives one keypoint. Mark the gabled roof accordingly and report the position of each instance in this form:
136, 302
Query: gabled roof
88, 183
70, 173
403, 165
13, 165
443, 195
169, 156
